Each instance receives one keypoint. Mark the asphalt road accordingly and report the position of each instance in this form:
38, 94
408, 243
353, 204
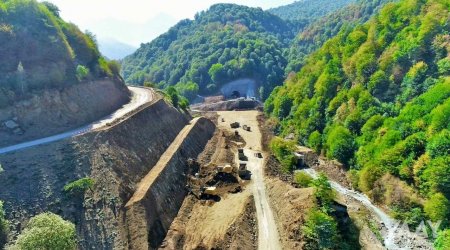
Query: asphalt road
140, 96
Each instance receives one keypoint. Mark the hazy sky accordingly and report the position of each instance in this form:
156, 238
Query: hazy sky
138, 21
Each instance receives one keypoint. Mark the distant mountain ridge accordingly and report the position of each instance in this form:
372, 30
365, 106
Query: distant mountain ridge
309, 9
113, 49
222, 44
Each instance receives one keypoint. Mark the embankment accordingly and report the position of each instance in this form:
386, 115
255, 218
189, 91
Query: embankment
159, 195
116, 158
53, 111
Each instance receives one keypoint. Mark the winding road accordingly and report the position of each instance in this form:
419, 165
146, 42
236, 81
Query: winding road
139, 97
268, 236
408, 240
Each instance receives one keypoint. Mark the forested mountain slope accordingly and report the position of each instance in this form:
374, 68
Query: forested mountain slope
228, 42
318, 32
377, 98
222, 44
308, 10
43, 51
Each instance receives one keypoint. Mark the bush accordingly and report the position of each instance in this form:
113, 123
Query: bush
3, 226
323, 192
82, 72
302, 179
320, 230
283, 151
47, 231
173, 95
443, 240
437, 208
79, 187
315, 141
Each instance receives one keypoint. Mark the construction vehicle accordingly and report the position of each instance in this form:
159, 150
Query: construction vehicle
243, 172
234, 125
225, 169
258, 155
246, 128
209, 193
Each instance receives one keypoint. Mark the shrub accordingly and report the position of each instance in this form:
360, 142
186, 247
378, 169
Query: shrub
82, 72
323, 191
437, 207
302, 179
320, 230
3, 226
173, 95
315, 141
443, 240
79, 187
283, 151
47, 231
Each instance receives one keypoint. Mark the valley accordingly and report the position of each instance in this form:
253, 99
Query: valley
313, 125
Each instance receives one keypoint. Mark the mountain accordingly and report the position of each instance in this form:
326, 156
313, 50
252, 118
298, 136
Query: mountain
308, 10
377, 98
224, 43
229, 42
43, 51
318, 32
114, 49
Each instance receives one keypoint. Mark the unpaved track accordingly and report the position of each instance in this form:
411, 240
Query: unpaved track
140, 97
268, 237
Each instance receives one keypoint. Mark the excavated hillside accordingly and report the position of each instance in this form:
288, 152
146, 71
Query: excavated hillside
53, 111
117, 158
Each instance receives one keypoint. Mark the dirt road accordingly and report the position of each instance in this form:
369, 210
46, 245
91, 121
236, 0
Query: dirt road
268, 237
140, 97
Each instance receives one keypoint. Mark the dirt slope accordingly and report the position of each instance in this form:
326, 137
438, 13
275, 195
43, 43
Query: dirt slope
55, 111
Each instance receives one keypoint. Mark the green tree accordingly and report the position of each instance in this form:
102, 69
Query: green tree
3, 226
173, 95
216, 72
341, 144
443, 240
79, 187
439, 145
320, 230
437, 208
47, 231
323, 192
283, 151
315, 141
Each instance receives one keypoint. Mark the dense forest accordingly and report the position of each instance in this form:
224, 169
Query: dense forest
318, 32
43, 51
377, 98
229, 41
222, 44
308, 10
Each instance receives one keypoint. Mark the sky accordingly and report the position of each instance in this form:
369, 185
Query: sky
139, 21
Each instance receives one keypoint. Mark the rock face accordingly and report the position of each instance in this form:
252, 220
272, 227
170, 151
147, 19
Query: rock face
54, 111
161, 192
116, 158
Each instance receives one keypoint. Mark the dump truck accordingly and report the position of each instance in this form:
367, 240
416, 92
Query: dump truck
243, 157
243, 172
234, 125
